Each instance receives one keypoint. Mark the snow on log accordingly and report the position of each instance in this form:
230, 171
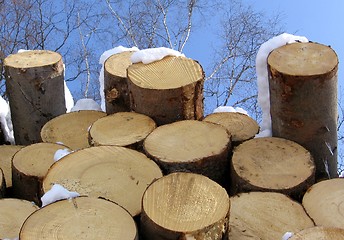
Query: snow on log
13, 213
2, 184
71, 129
184, 206
29, 166
35, 88
303, 96
6, 154
272, 164
115, 173
318, 232
324, 203
167, 90
190, 146
265, 215
126, 129
80, 218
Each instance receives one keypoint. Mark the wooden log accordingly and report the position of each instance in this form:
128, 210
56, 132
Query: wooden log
272, 164
2, 184
35, 88
265, 215
116, 84
190, 146
324, 203
71, 129
303, 96
115, 173
80, 218
13, 213
6, 154
318, 232
184, 206
240, 126
168, 90
29, 166
126, 129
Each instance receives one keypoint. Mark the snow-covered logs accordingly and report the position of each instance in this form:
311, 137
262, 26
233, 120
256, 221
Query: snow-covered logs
71, 129
272, 164
303, 96
80, 218
318, 232
6, 154
35, 88
167, 90
184, 206
191, 146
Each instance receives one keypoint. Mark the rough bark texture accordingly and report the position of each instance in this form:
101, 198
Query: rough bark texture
35, 88
116, 84
318, 232
303, 96
184, 206
6, 154
168, 90
272, 164
80, 218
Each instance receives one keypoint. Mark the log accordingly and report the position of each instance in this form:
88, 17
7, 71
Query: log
35, 88
71, 129
303, 96
168, 90
240, 126
115, 173
80, 218
2, 184
184, 206
29, 166
265, 215
6, 154
116, 84
126, 129
13, 213
318, 232
190, 146
272, 164
324, 203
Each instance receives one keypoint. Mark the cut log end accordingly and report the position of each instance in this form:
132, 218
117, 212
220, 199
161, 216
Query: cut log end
6, 154
319, 232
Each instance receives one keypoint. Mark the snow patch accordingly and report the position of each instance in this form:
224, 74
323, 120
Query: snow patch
150, 55
6, 121
57, 192
60, 153
86, 104
287, 235
230, 109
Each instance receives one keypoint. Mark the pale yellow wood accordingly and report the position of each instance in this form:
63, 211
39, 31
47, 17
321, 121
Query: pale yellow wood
30, 59
117, 64
13, 213
6, 155
81, 218
319, 233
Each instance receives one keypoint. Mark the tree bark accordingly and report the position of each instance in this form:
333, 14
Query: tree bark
303, 96
29, 166
13, 213
324, 203
71, 129
168, 90
6, 154
263, 215
116, 84
272, 164
35, 87
184, 206
318, 232
80, 218
115, 173
191, 146
2, 184
126, 129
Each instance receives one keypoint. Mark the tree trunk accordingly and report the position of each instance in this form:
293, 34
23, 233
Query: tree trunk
263, 215
126, 129
2, 184
318, 232
116, 84
240, 126
272, 164
324, 203
190, 146
115, 173
35, 88
184, 206
303, 96
71, 129
168, 90
13, 213
80, 218
29, 166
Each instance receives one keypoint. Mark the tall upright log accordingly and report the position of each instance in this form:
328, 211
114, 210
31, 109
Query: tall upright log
168, 90
35, 87
303, 96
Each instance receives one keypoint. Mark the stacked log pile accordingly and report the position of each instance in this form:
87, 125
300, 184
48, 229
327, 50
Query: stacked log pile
151, 169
